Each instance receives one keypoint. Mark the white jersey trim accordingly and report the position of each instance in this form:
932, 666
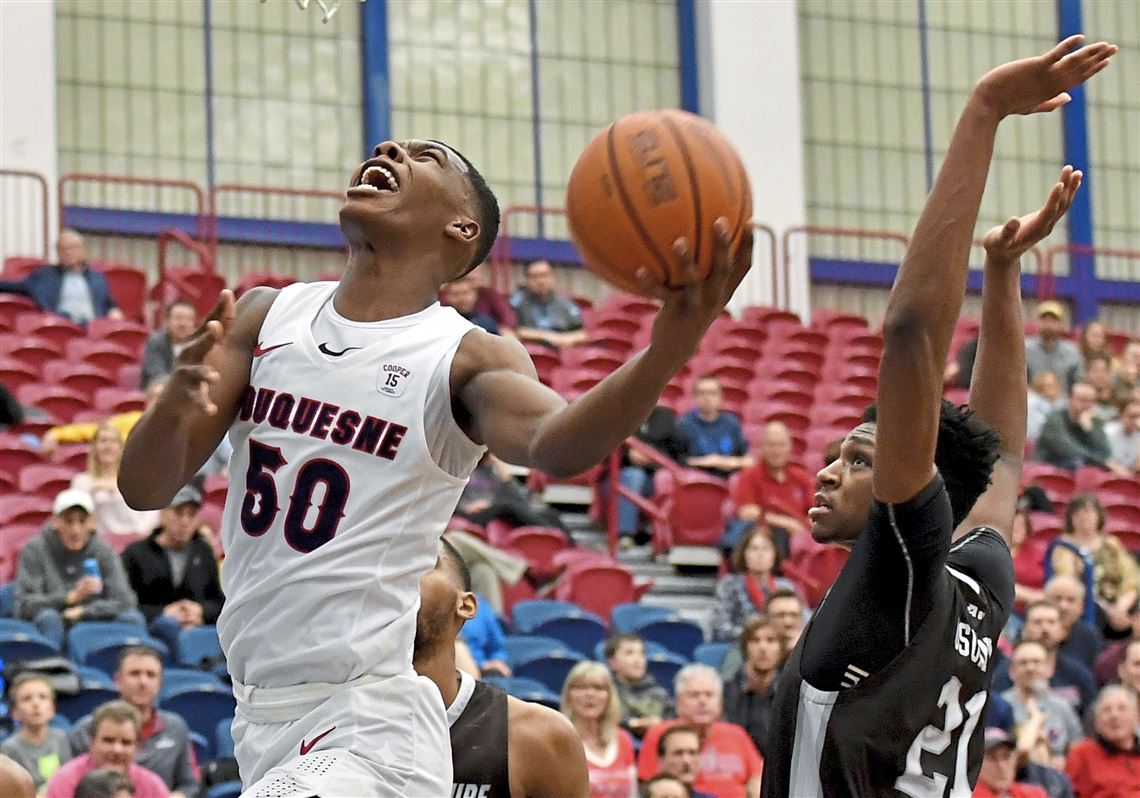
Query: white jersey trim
462, 698
812, 717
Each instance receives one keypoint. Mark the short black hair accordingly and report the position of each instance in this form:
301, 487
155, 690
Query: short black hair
964, 455
676, 728
458, 563
488, 211
614, 641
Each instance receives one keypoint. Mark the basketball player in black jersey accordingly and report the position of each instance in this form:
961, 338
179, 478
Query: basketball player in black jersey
501, 747
884, 694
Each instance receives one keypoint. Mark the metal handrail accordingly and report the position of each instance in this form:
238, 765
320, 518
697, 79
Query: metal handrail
841, 232
43, 183
90, 177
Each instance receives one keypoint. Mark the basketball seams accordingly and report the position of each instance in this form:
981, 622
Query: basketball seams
694, 184
627, 204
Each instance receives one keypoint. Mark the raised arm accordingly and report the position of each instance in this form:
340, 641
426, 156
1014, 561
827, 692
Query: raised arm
927, 294
525, 423
998, 389
188, 420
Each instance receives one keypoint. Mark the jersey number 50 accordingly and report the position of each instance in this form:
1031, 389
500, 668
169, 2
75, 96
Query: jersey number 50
259, 508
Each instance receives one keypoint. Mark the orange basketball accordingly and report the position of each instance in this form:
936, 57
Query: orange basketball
646, 180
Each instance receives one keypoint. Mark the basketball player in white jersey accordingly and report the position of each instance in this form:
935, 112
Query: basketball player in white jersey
356, 411
501, 747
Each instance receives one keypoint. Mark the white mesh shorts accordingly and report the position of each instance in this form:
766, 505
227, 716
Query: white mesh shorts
378, 737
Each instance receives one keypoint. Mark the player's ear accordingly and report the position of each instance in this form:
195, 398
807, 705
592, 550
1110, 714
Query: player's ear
466, 605
464, 229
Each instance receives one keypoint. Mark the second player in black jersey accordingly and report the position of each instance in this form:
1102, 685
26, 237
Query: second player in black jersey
885, 693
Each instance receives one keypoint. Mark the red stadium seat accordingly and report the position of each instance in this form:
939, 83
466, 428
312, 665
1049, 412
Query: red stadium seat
1101, 482
18, 510
832, 321
45, 479
200, 288
130, 375
760, 316
835, 415
17, 267
817, 570
693, 510
538, 545
128, 287
15, 454
11, 544
104, 354
30, 349
12, 306
590, 357
1124, 514
1129, 536
119, 400
49, 326
128, 334
14, 374
631, 304
82, 377
598, 587
61, 403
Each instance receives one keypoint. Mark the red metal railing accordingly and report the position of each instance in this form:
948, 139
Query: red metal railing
41, 181
1081, 249
1045, 285
205, 260
265, 191
760, 230
838, 232
501, 254
194, 189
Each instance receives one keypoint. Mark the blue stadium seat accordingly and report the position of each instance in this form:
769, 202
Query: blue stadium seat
198, 644
651, 649
176, 679
8, 600
58, 721
580, 632
98, 643
227, 789
21, 640
93, 677
679, 636
528, 614
526, 689
664, 668
224, 738
627, 617
711, 654
202, 708
550, 669
86, 701
524, 647
203, 748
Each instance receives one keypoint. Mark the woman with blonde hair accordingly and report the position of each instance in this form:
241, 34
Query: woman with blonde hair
112, 514
591, 703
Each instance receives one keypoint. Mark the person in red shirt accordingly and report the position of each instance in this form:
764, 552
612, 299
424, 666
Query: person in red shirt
730, 766
590, 701
1107, 764
775, 491
996, 778
491, 301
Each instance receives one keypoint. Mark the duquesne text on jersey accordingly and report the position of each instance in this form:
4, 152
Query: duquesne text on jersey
322, 420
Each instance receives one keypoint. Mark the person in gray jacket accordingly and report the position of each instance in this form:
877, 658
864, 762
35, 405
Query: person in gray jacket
67, 574
164, 742
164, 345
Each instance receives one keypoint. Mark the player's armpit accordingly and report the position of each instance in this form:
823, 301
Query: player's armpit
996, 507
546, 756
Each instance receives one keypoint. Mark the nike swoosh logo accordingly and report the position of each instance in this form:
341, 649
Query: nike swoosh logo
307, 747
260, 350
325, 348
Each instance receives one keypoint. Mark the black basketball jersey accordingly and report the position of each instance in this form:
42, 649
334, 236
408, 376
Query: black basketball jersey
915, 727
478, 720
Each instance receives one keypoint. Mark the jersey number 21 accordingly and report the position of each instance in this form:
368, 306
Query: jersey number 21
934, 740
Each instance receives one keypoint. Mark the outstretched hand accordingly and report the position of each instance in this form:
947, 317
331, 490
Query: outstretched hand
1040, 84
688, 311
1008, 242
192, 377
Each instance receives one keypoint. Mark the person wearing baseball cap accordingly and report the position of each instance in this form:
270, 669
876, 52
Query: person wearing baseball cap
174, 571
999, 769
1049, 350
67, 574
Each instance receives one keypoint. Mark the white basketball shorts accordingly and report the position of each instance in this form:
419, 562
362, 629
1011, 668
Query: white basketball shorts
375, 737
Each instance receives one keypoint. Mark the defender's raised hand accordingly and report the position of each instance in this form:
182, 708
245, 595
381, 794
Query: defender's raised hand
1008, 242
1039, 84
193, 375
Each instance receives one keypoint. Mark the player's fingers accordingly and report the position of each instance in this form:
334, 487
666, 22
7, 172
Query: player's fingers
683, 257
1063, 47
650, 287
198, 347
227, 305
1051, 105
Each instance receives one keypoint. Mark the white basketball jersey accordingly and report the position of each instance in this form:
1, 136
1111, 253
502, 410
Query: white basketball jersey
335, 506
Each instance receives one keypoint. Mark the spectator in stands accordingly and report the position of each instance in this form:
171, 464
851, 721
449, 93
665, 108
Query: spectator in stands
545, 315
660, 431
84, 431
70, 288
745, 592
644, 703
1126, 375
1049, 350
1108, 661
1093, 341
1074, 437
1079, 639
1032, 748
15, 782
104, 784
748, 697
787, 609
1029, 672
164, 345
1098, 373
1025, 569
484, 637
775, 491
713, 437
115, 729
112, 513
462, 294
174, 572
66, 574
162, 741
679, 751
1071, 678
590, 701
730, 765
1124, 437
960, 370
490, 301
996, 779
491, 568
1129, 669
38, 747
1045, 397
492, 493
665, 786
1116, 577
1107, 764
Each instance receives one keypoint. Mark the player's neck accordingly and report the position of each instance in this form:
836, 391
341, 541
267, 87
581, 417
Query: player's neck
376, 288
440, 668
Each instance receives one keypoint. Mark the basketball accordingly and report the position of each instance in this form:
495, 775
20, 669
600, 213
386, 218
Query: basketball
646, 180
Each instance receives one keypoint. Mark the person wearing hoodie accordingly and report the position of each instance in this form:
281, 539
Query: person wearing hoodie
67, 574
644, 702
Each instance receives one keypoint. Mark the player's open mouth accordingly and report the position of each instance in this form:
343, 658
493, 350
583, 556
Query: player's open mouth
378, 179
